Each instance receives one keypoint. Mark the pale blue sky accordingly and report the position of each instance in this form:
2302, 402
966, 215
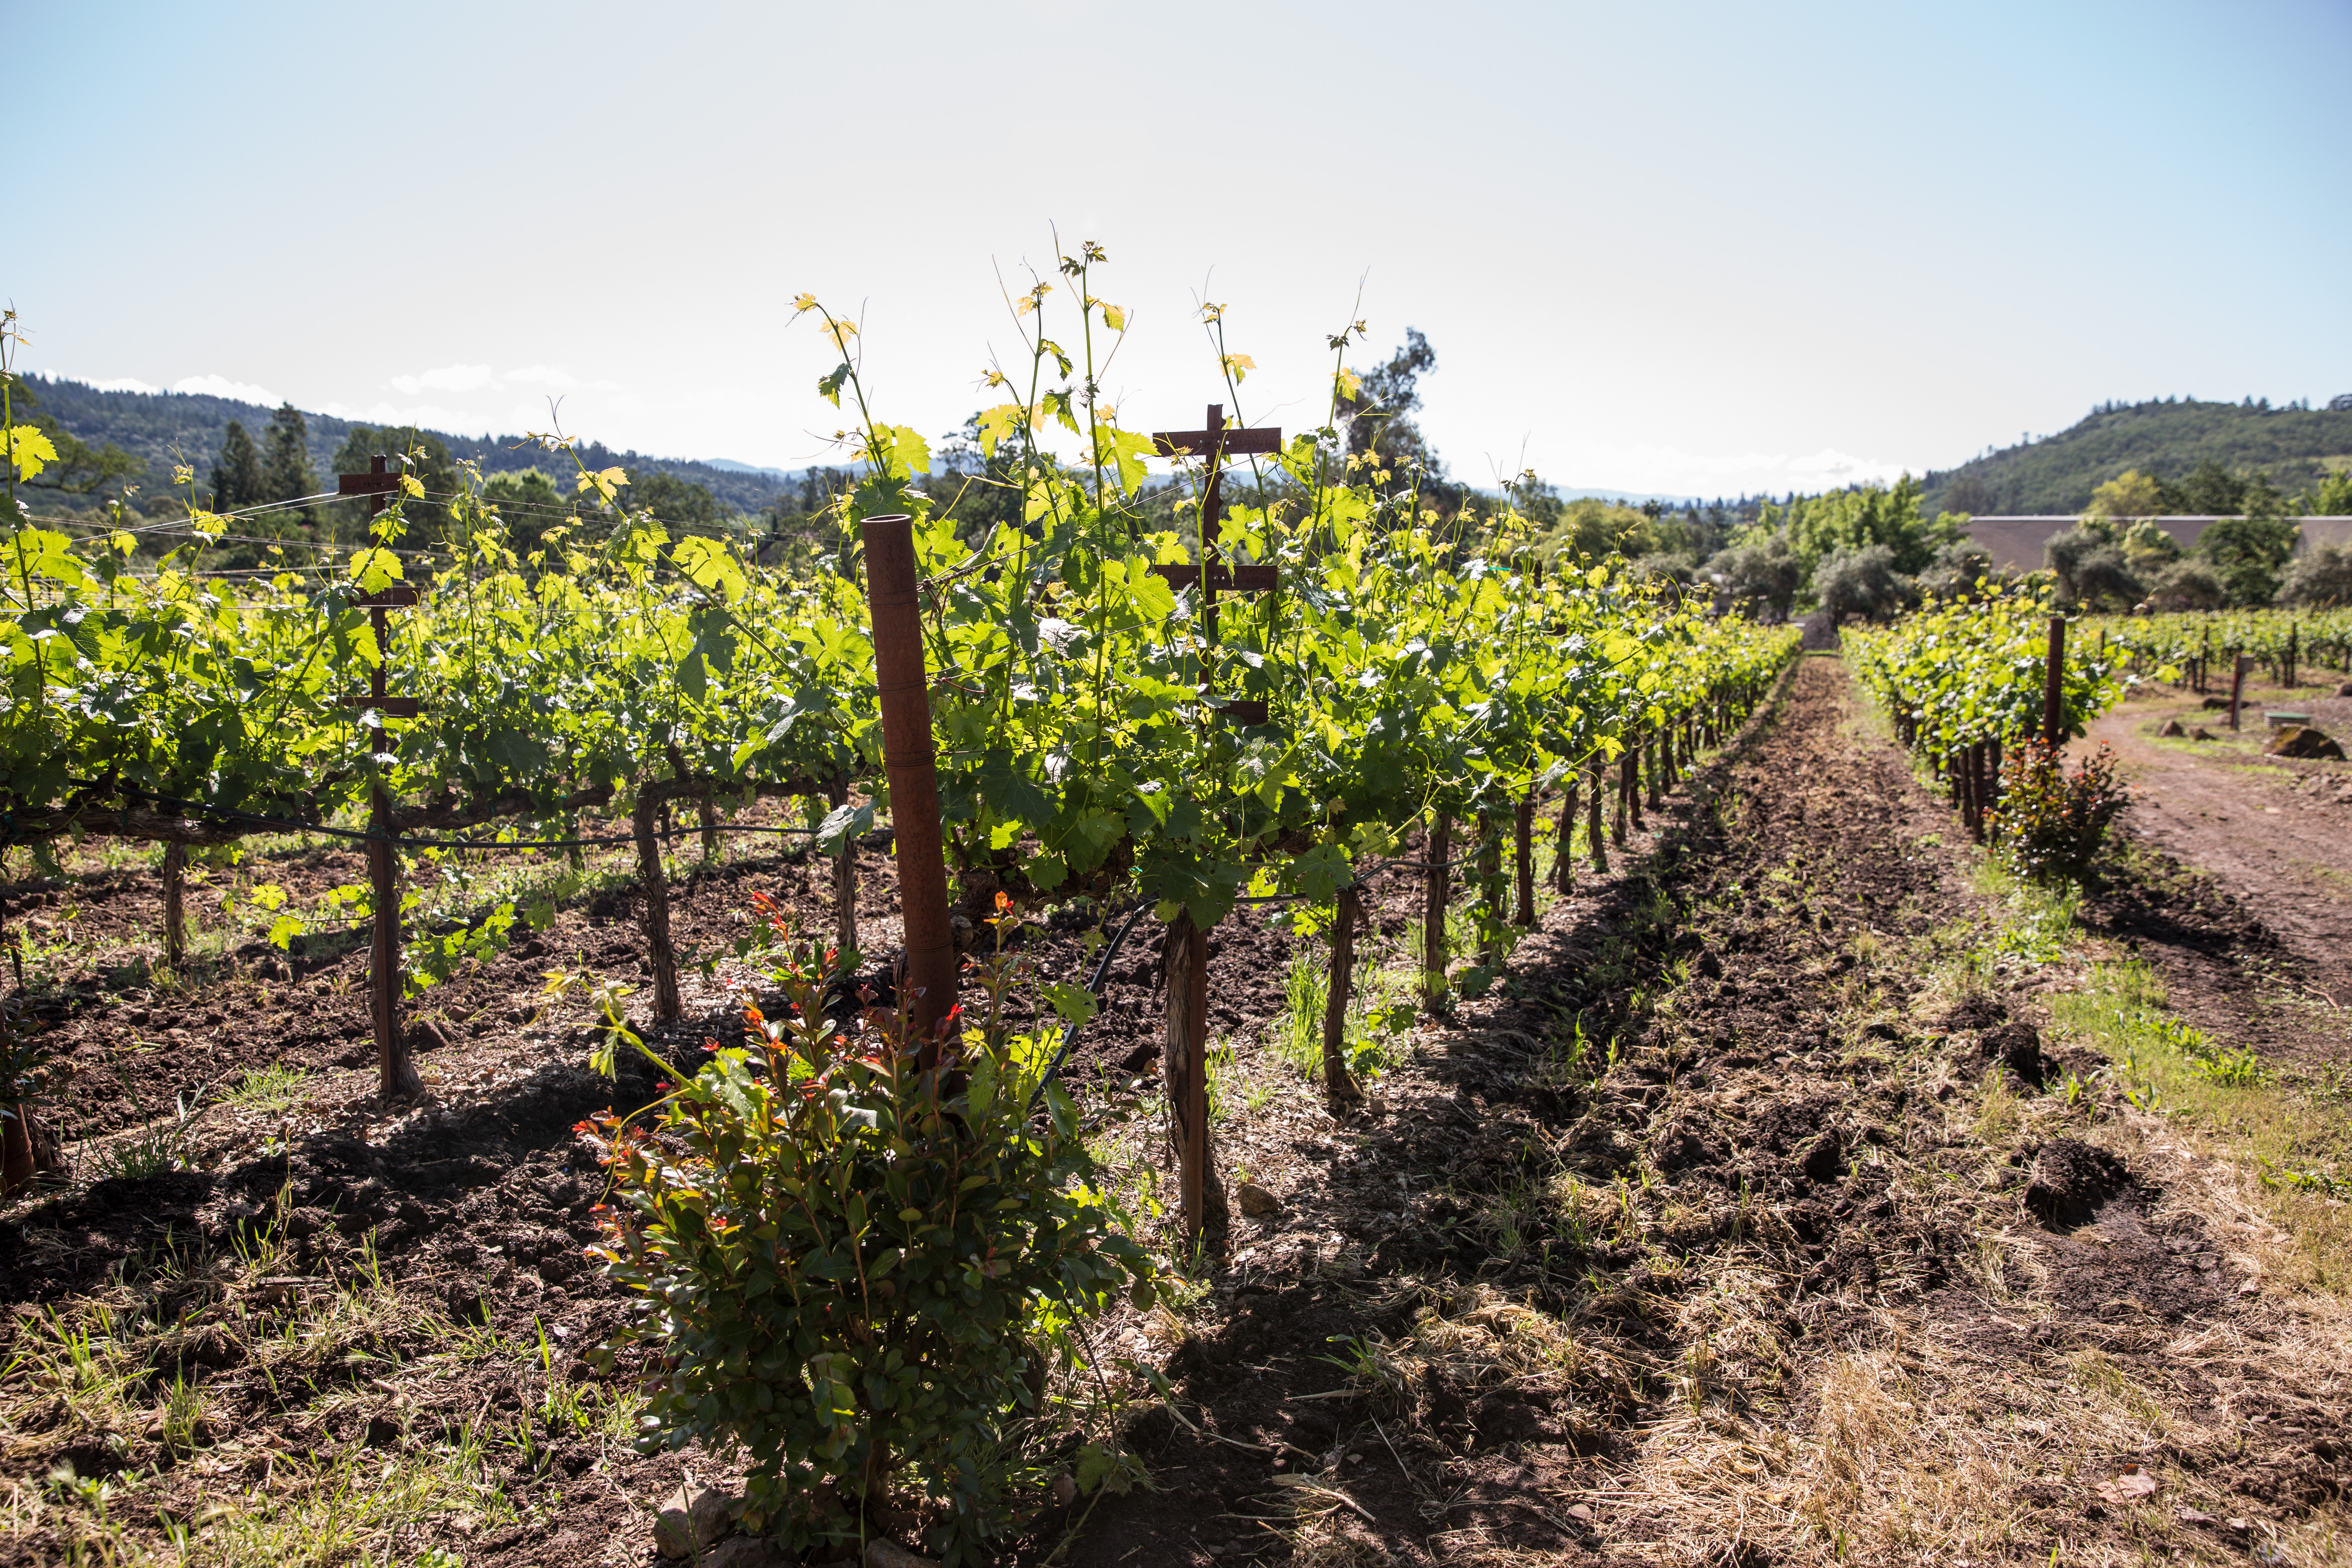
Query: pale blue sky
1682, 247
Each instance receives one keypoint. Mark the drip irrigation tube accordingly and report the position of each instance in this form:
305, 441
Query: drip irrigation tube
355, 835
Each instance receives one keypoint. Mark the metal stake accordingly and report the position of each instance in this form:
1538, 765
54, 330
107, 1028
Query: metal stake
927, 989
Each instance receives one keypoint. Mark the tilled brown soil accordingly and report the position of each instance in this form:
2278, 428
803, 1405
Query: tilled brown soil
1745, 1222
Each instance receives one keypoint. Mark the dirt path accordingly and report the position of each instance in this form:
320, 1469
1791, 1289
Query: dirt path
2275, 833
1756, 1227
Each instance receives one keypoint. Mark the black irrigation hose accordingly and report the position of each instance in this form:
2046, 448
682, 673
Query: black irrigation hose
283, 825
1094, 989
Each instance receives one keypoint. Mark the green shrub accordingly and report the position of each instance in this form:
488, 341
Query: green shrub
2049, 823
849, 1266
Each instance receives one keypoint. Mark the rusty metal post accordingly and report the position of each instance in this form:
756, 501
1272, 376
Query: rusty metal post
928, 988
2054, 686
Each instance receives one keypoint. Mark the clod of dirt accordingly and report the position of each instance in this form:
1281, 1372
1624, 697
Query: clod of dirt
689, 1524
2200, 734
891, 1554
1256, 1200
1978, 1010
747, 1551
2072, 1181
2343, 689
2303, 741
1709, 967
2171, 729
2017, 1047
1822, 1161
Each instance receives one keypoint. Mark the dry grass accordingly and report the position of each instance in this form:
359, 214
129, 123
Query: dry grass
2286, 1152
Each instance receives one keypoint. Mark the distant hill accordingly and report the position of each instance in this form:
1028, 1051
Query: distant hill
169, 427
2057, 474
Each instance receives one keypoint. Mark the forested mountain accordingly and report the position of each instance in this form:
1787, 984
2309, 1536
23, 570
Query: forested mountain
2169, 440
162, 429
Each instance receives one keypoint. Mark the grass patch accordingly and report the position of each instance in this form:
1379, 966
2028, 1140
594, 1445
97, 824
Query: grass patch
274, 1088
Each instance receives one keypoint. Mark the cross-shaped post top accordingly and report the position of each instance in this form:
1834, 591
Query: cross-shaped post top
1215, 441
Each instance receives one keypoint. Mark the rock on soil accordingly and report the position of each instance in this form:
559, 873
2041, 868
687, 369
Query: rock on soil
2303, 741
689, 1524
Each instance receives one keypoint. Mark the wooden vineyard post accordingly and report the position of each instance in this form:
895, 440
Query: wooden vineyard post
2238, 663
2053, 685
1490, 890
1339, 1084
395, 1074
927, 989
1628, 786
1186, 1042
1436, 878
1564, 864
844, 872
660, 951
175, 919
1594, 838
1184, 1046
1523, 849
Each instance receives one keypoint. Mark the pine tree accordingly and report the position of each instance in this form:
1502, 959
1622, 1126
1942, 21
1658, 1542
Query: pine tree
237, 472
286, 473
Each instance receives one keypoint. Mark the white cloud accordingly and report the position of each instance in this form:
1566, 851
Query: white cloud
428, 415
480, 377
222, 386
121, 383
448, 378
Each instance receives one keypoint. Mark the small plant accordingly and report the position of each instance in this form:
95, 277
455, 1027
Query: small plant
182, 1408
2230, 1069
278, 1087
849, 1261
2049, 823
155, 1150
